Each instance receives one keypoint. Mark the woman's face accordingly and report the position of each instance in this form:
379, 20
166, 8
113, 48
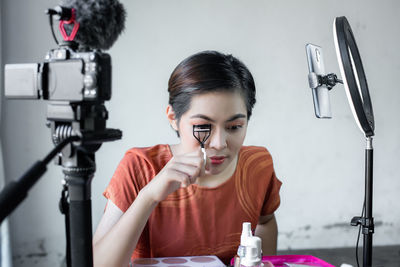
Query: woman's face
226, 113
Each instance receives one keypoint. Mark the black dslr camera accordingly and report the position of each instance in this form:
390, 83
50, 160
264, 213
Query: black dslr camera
77, 83
65, 75
76, 80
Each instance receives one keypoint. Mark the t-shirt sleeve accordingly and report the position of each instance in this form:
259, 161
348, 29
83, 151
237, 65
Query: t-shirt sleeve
131, 175
129, 178
272, 199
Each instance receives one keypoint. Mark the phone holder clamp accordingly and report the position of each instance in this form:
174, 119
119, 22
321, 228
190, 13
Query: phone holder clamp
329, 80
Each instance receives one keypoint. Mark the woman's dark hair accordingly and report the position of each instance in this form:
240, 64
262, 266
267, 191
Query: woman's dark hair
209, 71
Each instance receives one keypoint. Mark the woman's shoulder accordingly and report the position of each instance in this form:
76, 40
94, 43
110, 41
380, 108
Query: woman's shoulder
149, 151
152, 154
254, 152
255, 159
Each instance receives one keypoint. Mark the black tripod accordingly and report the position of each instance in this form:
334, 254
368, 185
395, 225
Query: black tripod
75, 204
78, 161
78, 130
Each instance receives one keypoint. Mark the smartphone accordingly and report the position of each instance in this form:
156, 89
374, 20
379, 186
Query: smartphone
320, 93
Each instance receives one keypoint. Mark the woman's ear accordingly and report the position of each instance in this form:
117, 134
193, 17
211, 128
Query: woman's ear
171, 117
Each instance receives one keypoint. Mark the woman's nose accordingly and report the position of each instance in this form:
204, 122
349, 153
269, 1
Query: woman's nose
217, 140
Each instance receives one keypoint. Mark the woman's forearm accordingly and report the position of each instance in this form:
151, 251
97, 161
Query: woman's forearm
117, 245
268, 232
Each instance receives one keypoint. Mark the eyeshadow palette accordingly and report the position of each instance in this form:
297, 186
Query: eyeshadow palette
193, 261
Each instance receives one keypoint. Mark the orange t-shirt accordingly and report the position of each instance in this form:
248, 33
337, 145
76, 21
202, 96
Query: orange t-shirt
197, 220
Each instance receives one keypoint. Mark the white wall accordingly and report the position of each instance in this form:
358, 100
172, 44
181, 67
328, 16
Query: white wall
5, 246
321, 162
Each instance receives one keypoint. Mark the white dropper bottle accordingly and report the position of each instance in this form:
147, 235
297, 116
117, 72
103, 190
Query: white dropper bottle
246, 234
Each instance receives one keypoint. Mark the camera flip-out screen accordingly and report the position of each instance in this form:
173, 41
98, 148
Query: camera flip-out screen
21, 81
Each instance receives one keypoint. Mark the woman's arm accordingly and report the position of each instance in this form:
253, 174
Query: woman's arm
267, 230
118, 233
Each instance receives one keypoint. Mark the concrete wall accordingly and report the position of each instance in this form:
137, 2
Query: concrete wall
321, 162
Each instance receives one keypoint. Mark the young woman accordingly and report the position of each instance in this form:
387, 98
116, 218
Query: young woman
165, 201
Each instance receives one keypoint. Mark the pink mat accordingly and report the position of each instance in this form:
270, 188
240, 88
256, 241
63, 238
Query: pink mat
279, 261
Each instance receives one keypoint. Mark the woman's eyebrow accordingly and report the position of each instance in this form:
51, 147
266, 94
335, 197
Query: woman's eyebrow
237, 116
234, 117
201, 116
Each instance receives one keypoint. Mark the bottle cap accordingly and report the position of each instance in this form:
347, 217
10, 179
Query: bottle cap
246, 233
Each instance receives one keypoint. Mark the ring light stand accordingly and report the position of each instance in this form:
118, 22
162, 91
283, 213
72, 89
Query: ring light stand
355, 83
356, 88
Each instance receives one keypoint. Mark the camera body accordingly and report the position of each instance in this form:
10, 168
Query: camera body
65, 75
76, 83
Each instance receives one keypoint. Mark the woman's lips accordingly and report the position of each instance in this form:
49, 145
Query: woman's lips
217, 160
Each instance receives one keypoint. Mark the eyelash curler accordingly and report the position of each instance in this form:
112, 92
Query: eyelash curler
202, 133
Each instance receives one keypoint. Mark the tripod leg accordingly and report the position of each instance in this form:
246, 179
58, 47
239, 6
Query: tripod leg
64, 208
80, 216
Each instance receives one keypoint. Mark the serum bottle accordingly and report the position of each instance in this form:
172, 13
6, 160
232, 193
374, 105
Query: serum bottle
249, 252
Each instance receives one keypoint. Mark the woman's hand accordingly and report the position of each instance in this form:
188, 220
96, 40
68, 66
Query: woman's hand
181, 171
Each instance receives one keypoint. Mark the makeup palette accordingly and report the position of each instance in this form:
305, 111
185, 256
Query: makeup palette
193, 261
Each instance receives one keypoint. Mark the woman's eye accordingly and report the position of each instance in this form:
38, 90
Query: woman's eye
234, 127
